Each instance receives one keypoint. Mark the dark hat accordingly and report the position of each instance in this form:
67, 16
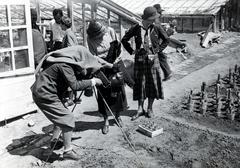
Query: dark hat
158, 7
150, 13
66, 21
95, 29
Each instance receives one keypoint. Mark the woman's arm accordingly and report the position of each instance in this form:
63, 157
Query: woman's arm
125, 40
69, 75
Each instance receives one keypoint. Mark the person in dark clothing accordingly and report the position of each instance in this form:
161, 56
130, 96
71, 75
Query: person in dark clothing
99, 43
148, 50
39, 45
162, 57
48, 92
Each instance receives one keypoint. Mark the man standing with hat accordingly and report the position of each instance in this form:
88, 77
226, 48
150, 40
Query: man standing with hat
162, 57
147, 77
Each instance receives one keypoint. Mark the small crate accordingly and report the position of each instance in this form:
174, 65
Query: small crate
148, 132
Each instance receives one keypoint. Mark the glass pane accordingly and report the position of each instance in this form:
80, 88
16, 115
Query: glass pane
3, 15
19, 37
21, 58
6, 61
4, 39
18, 15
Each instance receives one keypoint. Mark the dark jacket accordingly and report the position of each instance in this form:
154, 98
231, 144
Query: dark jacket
159, 38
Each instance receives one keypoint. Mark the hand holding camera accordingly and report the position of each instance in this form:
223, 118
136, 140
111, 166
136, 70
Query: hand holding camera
96, 82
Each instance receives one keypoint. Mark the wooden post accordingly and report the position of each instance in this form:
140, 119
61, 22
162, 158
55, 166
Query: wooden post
192, 25
70, 12
219, 79
235, 68
230, 75
182, 24
231, 112
239, 71
214, 19
189, 103
120, 27
229, 17
84, 26
238, 15
217, 90
222, 12
109, 17
219, 108
238, 102
204, 107
203, 91
36, 2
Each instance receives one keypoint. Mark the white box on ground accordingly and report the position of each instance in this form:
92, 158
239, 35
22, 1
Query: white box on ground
148, 132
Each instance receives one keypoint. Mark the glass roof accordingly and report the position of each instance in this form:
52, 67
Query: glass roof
175, 7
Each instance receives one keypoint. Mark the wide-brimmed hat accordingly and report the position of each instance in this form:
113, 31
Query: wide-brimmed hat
150, 13
95, 29
158, 7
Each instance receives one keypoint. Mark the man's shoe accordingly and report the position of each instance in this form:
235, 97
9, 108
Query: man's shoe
70, 155
56, 144
168, 77
105, 129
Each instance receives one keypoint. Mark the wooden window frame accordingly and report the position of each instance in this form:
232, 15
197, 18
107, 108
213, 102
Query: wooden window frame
29, 46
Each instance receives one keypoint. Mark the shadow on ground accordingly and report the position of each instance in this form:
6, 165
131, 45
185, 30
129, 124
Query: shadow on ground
36, 145
128, 113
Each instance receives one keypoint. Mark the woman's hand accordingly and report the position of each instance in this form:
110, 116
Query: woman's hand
96, 81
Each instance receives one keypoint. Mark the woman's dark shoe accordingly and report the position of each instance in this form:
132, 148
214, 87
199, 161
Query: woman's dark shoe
105, 129
119, 120
70, 155
136, 116
56, 144
149, 113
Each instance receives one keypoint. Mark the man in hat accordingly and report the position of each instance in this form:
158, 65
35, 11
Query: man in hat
180, 47
159, 8
162, 57
147, 74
